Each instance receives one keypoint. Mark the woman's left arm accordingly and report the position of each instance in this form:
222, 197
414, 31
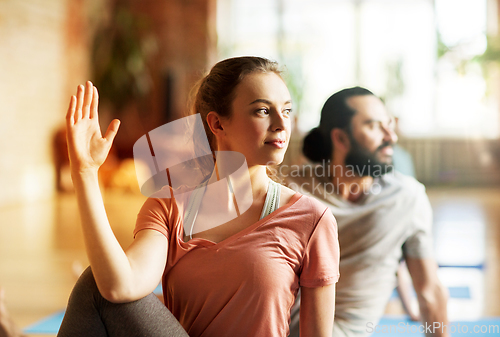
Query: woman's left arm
317, 308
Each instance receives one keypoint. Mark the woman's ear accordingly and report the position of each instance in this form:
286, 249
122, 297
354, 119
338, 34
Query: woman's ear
340, 140
214, 123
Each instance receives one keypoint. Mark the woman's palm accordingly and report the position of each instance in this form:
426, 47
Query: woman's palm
87, 147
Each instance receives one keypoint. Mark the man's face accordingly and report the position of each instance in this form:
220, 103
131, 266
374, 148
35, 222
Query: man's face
372, 136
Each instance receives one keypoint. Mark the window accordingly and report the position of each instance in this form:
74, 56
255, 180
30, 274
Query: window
415, 54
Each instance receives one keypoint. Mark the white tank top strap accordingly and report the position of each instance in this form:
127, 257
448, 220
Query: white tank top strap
272, 199
271, 204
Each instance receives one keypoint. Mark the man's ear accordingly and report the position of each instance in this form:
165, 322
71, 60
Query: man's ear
340, 140
214, 123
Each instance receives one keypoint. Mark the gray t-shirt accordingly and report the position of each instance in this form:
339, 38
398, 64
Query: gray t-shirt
393, 218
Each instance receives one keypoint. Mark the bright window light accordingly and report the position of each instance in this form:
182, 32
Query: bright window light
415, 54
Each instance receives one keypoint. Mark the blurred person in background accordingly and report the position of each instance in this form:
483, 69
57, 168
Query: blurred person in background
383, 216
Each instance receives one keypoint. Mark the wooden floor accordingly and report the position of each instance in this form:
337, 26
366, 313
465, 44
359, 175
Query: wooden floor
40, 242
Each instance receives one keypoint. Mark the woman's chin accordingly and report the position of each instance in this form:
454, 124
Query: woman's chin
275, 161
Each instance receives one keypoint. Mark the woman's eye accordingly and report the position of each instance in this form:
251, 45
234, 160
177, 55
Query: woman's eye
287, 111
263, 111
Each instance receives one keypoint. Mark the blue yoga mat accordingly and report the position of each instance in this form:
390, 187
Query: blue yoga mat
48, 325
389, 326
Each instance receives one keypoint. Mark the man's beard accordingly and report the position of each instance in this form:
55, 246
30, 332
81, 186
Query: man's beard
364, 163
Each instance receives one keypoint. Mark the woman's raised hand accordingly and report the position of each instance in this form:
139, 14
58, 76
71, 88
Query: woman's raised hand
87, 147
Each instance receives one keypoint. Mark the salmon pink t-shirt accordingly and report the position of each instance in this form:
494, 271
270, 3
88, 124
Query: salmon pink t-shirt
246, 284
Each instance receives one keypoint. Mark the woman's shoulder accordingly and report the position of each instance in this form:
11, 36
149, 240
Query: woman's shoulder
167, 200
286, 195
304, 202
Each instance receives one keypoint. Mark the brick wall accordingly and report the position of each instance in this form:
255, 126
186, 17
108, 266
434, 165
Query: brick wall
44, 55
186, 35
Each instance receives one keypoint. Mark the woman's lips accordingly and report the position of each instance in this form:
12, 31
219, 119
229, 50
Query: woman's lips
278, 143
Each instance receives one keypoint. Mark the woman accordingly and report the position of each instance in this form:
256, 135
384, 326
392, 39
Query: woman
236, 279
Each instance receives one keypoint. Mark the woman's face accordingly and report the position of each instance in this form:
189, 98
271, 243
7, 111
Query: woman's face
260, 122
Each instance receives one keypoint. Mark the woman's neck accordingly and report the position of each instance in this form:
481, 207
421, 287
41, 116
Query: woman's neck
259, 181
257, 175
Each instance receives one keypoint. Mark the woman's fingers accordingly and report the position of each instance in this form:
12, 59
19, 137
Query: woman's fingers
95, 104
70, 116
79, 102
85, 103
87, 99
112, 130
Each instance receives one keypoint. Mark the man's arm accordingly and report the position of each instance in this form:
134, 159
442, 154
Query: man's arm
404, 291
432, 295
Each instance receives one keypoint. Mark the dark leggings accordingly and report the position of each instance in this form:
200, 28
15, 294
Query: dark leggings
89, 314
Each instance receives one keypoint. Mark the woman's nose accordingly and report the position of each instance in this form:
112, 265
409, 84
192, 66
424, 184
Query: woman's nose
279, 121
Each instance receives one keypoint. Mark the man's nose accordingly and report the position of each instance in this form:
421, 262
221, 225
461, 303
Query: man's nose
390, 135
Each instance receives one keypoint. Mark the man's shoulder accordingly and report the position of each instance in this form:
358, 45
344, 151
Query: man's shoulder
402, 181
403, 186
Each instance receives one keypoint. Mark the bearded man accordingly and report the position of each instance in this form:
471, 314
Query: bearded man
383, 216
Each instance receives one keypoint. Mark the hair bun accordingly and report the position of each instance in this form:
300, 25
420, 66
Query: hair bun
315, 147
